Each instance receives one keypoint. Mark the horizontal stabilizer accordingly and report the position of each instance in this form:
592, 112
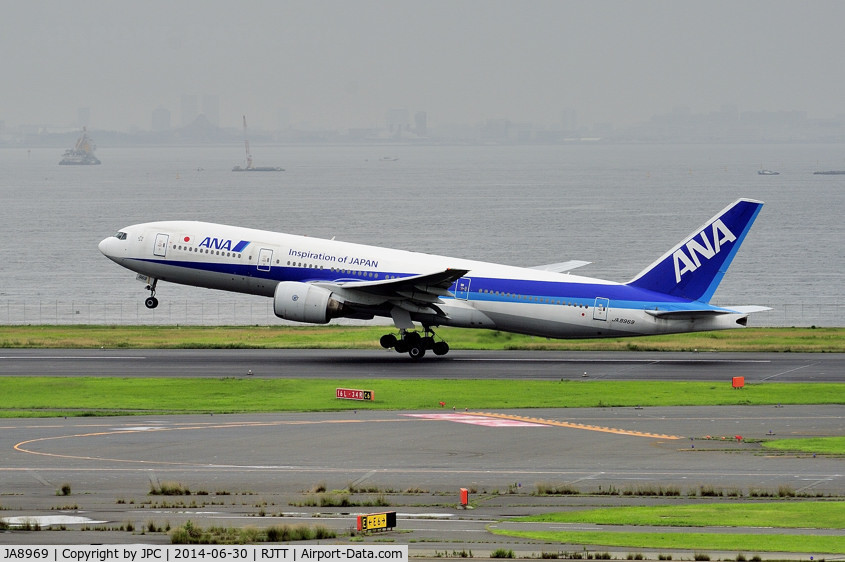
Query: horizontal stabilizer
749, 309
563, 266
688, 314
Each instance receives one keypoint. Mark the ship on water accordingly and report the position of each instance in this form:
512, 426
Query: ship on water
82, 154
249, 165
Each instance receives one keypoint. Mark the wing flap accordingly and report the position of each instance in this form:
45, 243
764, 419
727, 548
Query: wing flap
415, 293
420, 296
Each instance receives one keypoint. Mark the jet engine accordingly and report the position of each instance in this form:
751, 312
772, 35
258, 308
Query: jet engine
302, 302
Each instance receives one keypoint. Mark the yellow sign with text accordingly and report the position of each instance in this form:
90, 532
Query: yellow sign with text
377, 521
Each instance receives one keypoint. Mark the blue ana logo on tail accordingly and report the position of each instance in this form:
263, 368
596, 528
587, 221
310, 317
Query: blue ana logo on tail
693, 268
687, 257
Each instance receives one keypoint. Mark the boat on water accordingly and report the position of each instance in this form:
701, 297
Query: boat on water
82, 153
767, 173
830, 173
249, 165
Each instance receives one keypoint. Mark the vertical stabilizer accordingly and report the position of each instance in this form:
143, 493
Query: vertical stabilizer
694, 268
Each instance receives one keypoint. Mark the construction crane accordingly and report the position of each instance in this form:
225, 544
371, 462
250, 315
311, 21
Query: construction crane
249, 165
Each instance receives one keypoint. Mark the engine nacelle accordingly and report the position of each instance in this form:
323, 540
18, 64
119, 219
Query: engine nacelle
302, 302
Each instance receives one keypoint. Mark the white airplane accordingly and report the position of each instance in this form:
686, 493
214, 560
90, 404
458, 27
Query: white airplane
314, 280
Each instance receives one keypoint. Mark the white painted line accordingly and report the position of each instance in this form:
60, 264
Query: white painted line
476, 420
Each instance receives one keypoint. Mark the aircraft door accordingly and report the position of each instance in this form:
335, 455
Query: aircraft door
265, 258
161, 245
462, 288
600, 310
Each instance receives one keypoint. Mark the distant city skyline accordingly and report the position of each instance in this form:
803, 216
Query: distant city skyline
206, 105
680, 124
330, 64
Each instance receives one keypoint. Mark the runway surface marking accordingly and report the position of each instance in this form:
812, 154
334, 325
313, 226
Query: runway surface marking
787, 372
75, 357
578, 426
475, 419
596, 360
22, 446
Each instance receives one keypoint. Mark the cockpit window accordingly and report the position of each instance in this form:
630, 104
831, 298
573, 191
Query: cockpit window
120, 236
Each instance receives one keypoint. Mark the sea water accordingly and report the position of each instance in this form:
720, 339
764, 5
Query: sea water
617, 206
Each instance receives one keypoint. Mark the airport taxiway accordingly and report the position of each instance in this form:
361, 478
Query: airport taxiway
266, 469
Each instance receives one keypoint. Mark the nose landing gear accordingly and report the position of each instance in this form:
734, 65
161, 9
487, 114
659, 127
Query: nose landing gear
151, 301
414, 343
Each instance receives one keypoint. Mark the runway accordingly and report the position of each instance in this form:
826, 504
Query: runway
542, 365
268, 469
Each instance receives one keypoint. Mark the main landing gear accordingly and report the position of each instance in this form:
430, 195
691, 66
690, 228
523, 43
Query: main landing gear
414, 343
151, 301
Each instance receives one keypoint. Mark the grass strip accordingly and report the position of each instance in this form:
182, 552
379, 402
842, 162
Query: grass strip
815, 445
790, 514
253, 395
366, 337
691, 541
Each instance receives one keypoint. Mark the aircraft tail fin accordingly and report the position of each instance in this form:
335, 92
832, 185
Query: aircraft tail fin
694, 268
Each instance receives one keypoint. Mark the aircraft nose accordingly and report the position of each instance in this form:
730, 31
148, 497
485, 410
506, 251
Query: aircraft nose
104, 246
110, 247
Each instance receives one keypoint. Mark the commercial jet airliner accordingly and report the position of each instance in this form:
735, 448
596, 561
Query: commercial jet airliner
314, 280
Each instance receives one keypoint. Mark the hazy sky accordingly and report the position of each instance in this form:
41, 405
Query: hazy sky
341, 64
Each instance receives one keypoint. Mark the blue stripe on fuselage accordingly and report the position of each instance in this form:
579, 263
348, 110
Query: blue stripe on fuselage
481, 288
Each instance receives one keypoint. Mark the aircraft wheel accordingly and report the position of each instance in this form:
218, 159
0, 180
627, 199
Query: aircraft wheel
387, 341
416, 351
412, 338
151, 302
441, 348
401, 346
428, 342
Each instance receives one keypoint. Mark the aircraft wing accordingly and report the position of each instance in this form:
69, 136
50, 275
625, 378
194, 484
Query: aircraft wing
563, 266
416, 293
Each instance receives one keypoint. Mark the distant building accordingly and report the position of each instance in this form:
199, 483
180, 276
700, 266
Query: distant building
421, 123
190, 109
211, 108
496, 130
160, 120
397, 121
